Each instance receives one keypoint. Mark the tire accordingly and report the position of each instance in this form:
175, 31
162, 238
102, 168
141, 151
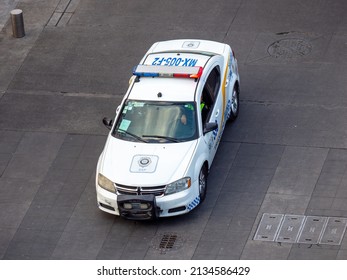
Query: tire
203, 183
235, 104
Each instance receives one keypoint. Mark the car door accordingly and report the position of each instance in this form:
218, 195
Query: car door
211, 106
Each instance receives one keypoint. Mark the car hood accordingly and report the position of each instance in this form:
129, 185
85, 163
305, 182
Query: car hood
145, 164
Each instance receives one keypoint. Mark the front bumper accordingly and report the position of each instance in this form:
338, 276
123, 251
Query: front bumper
143, 207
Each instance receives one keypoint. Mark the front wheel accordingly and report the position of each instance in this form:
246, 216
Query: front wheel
203, 183
235, 103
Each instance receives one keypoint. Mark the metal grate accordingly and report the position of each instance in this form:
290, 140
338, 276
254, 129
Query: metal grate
168, 241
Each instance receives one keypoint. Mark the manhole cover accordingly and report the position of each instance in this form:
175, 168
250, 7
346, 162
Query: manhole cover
334, 231
301, 229
167, 241
268, 227
312, 229
290, 228
290, 48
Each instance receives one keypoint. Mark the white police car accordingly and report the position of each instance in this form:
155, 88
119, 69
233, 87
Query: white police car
166, 131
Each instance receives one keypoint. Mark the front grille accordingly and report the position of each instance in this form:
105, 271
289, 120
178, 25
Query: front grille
130, 190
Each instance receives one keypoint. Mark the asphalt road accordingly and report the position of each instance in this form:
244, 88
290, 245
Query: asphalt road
278, 186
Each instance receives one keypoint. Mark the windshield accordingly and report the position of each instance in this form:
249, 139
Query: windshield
153, 122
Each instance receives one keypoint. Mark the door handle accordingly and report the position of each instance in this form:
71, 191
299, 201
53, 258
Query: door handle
217, 114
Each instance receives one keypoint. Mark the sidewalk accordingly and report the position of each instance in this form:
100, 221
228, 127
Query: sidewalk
13, 51
285, 155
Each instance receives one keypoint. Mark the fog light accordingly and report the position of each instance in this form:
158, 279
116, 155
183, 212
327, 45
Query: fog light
127, 206
144, 206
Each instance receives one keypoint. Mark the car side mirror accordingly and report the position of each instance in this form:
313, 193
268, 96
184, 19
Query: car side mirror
107, 122
210, 127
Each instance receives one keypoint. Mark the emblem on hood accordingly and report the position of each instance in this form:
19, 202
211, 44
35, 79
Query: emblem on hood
144, 164
144, 161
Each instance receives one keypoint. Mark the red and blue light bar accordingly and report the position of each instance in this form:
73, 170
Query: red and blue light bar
194, 72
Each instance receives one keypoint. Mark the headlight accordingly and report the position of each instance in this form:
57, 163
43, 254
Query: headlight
105, 183
178, 185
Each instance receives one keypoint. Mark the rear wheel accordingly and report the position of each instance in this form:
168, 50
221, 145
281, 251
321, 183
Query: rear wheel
234, 104
203, 183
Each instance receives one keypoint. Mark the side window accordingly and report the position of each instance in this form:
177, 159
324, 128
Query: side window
209, 93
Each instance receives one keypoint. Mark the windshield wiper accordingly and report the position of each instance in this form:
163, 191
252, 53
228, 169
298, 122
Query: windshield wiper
132, 135
171, 139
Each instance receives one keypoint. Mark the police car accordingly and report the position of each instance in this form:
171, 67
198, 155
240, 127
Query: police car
167, 129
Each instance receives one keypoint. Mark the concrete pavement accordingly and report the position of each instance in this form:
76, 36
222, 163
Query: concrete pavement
285, 155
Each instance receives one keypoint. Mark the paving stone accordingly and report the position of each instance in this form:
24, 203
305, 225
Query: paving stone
210, 248
58, 112
339, 204
226, 155
40, 144
4, 160
258, 250
21, 167
312, 253
334, 166
18, 250
319, 202
39, 148
330, 179
342, 191
213, 235
136, 248
220, 223
226, 210
110, 253
9, 141
35, 217
249, 211
8, 148
67, 199
325, 190
218, 176
245, 179
294, 181
240, 224
78, 177
86, 163
230, 250
56, 176
6, 236
12, 214
77, 245
19, 191
288, 204
342, 255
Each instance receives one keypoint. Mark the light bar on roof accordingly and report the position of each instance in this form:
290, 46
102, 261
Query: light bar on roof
167, 71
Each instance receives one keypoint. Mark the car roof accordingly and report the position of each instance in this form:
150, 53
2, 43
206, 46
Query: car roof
176, 53
188, 45
164, 89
